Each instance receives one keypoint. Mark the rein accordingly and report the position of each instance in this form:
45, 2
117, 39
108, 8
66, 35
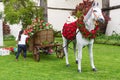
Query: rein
68, 44
70, 41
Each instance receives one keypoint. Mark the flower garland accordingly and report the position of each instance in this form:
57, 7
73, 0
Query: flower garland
69, 30
85, 33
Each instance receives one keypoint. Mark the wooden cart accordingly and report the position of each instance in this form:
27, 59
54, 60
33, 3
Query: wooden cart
42, 41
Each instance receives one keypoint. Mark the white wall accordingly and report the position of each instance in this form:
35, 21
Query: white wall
114, 2
15, 29
114, 24
63, 3
58, 17
1, 6
1, 24
1, 33
37, 2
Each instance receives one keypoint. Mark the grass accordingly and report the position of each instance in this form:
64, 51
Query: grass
106, 59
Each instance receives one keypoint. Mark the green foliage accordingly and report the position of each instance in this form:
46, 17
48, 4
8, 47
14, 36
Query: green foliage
21, 10
0, 15
8, 37
113, 40
78, 14
57, 33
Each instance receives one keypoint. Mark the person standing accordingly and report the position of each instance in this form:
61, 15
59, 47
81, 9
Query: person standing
21, 41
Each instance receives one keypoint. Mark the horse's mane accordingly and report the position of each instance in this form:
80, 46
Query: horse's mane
83, 7
87, 16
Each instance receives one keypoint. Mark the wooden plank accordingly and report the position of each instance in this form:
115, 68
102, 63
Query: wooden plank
111, 8
105, 3
60, 8
48, 45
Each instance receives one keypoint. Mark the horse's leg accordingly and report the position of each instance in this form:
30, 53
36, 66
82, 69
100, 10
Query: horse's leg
79, 47
79, 57
65, 48
76, 55
90, 47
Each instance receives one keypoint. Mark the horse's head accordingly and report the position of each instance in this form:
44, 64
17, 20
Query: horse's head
97, 13
94, 14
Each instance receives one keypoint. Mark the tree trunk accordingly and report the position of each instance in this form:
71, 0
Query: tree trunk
105, 4
43, 4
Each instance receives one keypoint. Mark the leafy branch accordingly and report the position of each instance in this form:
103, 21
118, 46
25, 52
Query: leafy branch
24, 11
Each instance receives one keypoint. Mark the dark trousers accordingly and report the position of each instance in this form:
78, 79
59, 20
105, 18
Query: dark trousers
20, 49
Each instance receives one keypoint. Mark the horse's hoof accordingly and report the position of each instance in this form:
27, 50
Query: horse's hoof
68, 65
79, 71
94, 69
76, 62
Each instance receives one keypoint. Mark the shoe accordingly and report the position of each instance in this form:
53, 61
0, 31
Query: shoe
16, 59
24, 59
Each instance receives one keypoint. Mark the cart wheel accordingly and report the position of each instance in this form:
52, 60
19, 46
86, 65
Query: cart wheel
59, 52
37, 57
36, 54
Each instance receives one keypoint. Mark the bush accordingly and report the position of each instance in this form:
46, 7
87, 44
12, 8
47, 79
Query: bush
8, 37
112, 40
57, 33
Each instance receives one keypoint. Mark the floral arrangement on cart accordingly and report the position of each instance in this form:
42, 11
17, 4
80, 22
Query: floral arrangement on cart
37, 25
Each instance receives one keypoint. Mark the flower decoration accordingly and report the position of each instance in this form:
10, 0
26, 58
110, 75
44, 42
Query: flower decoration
69, 30
85, 33
37, 25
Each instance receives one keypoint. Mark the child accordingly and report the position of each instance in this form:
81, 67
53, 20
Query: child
21, 41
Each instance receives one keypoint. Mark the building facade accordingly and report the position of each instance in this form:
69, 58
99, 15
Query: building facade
58, 10
113, 26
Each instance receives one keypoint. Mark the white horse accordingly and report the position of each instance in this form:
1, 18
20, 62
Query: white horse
94, 14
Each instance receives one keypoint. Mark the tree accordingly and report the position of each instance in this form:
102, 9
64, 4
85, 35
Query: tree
24, 11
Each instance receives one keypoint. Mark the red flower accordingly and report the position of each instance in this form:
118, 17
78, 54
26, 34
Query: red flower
96, 28
69, 30
47, 24
81, 22
93, 31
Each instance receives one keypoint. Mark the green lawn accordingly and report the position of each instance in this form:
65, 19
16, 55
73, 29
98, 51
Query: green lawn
107, 61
